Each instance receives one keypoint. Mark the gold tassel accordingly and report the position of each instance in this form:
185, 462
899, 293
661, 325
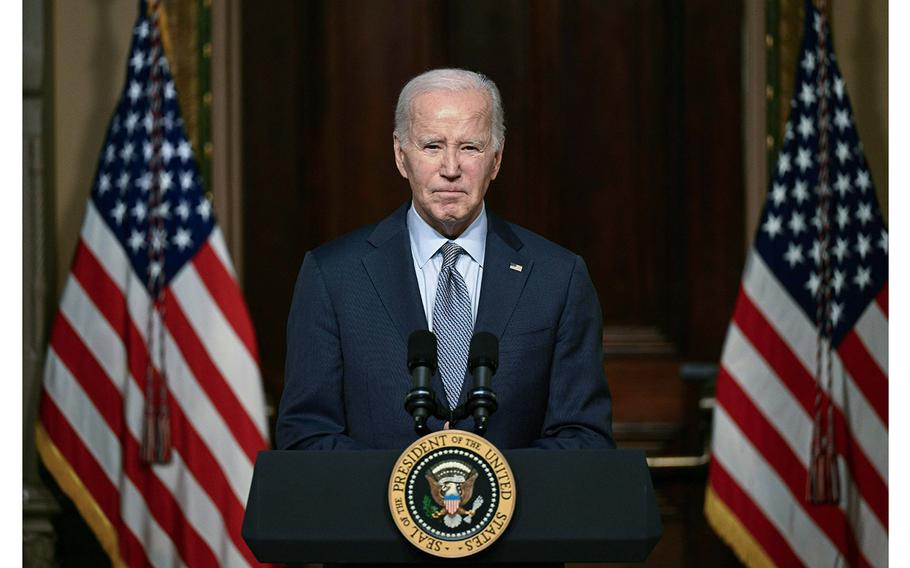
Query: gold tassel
149, 433
156, 435
824, 477
163, 454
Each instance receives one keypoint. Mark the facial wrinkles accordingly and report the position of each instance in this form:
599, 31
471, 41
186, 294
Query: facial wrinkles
447, 127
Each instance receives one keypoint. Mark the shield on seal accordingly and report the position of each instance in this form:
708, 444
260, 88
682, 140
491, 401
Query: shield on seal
452, 503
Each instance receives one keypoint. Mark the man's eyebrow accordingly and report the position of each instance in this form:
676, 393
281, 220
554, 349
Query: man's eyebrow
435, 139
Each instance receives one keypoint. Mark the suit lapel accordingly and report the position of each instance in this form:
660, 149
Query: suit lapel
391, 269
505, 272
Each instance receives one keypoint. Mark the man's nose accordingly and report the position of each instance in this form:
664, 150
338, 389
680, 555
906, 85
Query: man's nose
450, 167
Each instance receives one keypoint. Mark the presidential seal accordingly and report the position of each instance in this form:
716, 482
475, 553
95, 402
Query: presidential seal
452, 493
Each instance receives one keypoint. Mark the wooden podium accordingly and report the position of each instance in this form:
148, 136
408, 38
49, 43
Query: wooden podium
573, 506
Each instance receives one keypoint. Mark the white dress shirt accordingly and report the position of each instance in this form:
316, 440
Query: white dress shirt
426, 243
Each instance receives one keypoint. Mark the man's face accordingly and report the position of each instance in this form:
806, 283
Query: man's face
449, 160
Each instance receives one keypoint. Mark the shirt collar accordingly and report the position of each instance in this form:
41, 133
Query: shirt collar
426, 241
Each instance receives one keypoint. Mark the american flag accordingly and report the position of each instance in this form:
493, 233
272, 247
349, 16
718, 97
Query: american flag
152, 281
770, 382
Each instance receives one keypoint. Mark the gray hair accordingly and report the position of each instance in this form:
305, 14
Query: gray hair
449, 80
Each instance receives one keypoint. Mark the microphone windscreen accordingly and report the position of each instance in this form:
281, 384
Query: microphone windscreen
484, 350
422, 350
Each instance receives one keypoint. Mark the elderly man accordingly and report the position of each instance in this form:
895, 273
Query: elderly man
443, 262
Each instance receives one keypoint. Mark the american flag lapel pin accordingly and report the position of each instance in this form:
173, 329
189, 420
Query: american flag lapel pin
515, 267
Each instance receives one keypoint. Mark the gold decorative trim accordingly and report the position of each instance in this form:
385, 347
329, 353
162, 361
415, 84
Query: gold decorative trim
70, 483
728, 526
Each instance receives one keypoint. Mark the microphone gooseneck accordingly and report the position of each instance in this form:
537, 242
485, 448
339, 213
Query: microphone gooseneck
421, 400
483, 359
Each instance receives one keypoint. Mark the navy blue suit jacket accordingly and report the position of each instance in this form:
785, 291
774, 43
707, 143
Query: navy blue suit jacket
356, 302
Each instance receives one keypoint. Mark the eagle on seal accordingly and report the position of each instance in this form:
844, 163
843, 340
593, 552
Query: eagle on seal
451, 486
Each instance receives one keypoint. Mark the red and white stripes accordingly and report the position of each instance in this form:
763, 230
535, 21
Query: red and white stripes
763, 432
188, 512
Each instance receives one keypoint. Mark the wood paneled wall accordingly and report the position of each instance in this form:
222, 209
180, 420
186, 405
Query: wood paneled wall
624, 143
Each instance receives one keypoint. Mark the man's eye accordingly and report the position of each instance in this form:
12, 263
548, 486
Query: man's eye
431, 146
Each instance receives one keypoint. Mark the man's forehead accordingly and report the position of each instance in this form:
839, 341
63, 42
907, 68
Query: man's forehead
443, 104
444, 111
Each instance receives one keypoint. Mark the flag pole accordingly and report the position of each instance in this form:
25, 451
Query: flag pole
156, 438
823, 483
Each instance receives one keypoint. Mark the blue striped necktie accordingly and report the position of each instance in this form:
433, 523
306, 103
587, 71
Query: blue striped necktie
452, 323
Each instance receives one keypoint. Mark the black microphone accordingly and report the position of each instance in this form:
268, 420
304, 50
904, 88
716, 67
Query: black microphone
483, 358
421, 401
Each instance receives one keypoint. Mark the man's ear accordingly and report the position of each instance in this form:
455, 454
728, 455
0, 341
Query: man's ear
497, 161
399, 156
